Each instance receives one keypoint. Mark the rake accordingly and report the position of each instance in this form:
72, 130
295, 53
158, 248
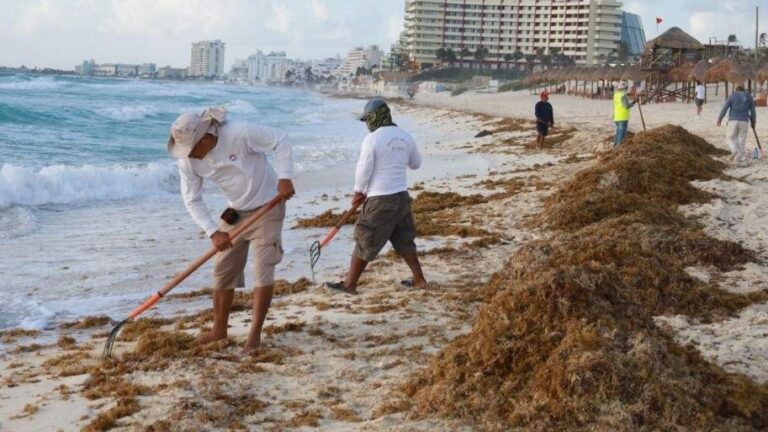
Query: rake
762, 153
173, 283
318, 245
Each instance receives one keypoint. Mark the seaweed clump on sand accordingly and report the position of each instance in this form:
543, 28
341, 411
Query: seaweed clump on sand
568, 342
646, 178
431, 213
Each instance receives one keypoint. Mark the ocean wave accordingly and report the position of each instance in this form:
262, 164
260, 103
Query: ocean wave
25, 313
16, 222
66, 184
239, 106
44, 83
23, 115
129, 113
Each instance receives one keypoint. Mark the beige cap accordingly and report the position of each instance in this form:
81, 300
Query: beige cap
190, 128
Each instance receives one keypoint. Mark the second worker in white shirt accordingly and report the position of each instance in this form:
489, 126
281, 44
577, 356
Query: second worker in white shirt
233, 155
381, 186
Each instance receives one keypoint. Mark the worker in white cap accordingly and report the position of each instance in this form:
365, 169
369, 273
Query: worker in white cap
233, 155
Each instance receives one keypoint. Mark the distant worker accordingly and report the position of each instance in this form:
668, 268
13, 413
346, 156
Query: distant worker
545, 118
621, 107
741, 115
701, 94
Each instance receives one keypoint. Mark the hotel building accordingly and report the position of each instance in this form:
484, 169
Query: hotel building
207, 59
361, 57
584, 30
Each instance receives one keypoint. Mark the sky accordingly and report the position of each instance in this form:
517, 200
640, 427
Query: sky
62, 33
702, 19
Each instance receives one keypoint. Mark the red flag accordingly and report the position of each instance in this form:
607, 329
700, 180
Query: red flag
659, 20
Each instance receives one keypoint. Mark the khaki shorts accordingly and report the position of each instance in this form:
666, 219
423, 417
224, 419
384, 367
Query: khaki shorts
265, 236
385, 218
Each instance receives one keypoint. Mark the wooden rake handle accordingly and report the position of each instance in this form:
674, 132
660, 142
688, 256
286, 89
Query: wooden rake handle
234, 234
332, 233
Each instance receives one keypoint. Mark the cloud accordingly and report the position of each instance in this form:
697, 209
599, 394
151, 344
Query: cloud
705, 25
636, 7
33, 18
167, 17
282, 19
320, 11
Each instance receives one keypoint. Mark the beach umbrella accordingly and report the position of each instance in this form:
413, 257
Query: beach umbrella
762, 74
682, 72
578, 74
740, 74
531, 79
719, 72
615, 73
560, 75
699, 71
632, 73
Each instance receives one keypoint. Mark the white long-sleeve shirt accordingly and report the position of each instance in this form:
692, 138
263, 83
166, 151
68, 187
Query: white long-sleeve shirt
238, 166
386, 155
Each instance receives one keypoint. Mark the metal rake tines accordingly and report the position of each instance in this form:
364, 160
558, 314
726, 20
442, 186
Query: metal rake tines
111, 340
314, 256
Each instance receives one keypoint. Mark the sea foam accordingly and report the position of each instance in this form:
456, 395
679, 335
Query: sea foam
65, 184
129, 113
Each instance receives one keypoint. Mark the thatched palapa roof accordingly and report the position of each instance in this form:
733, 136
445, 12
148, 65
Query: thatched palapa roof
762, 74
699, 72
675, 39
684, 72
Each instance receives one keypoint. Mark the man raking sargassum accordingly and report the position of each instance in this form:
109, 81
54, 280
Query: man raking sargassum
173, 283
381, 188
233, 155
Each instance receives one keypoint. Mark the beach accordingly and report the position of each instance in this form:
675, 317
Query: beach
335, 362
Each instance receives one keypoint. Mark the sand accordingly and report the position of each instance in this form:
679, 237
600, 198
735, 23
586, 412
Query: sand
330, 361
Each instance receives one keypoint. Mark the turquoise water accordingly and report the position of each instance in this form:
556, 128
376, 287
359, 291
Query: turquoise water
71, 140
90, 213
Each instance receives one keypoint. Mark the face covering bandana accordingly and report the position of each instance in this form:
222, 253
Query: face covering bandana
379, 118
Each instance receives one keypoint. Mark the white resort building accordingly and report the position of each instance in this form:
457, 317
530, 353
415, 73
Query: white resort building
207, 59
270, 67
361, 57
583, 30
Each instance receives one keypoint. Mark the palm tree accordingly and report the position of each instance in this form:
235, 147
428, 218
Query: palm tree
530, 58
622, 53
731, 39
508, 58
450, 56
440, 55
555, 53
465, 52
517, 55
480, 54
544, 59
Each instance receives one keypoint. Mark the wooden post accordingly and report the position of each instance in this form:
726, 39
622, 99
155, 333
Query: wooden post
640, 108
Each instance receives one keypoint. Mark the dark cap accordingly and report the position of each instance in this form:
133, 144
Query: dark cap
372, 106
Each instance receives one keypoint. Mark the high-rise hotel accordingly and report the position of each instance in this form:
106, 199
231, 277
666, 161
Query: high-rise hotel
580, 29
207, 59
